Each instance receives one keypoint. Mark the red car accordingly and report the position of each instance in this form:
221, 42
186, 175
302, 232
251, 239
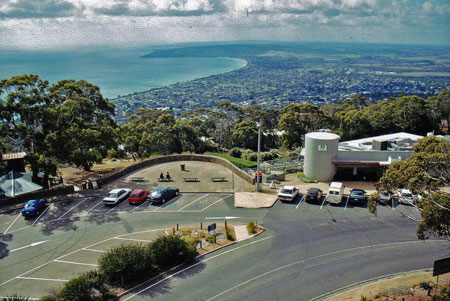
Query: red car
138, 196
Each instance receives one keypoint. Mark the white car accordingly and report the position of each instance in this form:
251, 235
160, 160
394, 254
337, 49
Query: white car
288, 193
405, 196
116, 196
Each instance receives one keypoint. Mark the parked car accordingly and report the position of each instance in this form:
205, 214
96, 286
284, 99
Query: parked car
357, 196
288, 193
384, 196
405, 196
335, 193
34, 207
116, 196
162, 194
314, 194
138, 196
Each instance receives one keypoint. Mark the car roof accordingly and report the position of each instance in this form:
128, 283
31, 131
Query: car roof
405, 191
116, 190
288, 187
357, 189
137, 191
32, 201
313, 189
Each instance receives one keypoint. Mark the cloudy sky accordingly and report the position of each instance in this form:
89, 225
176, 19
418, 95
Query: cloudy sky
69, 23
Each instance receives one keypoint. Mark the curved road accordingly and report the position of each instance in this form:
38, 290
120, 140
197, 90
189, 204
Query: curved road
307, 250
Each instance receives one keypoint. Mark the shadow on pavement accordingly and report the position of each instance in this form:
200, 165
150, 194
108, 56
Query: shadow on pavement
4, 247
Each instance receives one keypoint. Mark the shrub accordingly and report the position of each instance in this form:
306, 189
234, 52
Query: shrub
210, 239
186, 232
251, 228
236, 152
372, 203
364, 298
250, 156
231, 235
170, 250
15, 298
304, 178
126, 264
87, 286
192, 240
240, 163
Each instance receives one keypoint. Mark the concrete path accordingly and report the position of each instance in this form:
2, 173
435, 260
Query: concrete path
241, 232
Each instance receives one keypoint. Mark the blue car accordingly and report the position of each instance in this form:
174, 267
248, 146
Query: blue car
162, 194
34, 207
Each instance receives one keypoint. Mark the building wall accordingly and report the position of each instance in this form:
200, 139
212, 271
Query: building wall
371, 155
320, 151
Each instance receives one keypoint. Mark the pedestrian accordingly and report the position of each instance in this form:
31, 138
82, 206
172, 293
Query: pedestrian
161, 176
168, 176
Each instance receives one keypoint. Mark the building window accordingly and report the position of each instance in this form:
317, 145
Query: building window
322, 147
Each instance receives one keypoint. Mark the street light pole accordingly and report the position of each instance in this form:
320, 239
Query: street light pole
258, 178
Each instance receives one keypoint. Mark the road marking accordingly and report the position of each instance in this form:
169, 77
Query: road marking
214, 203
194, 265
138, 206
323, 203
77, 263
9, 227
92, 208
301, 201
346, 203
45, 279
122, 238
71, 209
46, 209
223, 217
70, 253
94, 250
30, 245
323, 224
168, 203
193, 202
311, 259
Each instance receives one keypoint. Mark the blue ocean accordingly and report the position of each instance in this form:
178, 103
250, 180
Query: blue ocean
116, 71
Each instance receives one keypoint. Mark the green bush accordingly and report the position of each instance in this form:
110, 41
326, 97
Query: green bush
170, 250
192, 240
251, 228
304, 178
250, 155
372, 203
236, 152
127, 264
210, 239
15, 298
240, 163
231, 235
87, 286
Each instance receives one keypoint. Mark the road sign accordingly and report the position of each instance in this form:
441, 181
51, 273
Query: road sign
212, 227
441, 266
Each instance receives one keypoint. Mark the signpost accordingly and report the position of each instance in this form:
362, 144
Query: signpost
212, 227
441, 266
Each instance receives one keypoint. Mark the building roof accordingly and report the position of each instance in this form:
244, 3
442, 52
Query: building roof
322, 136
366, 143
13, 156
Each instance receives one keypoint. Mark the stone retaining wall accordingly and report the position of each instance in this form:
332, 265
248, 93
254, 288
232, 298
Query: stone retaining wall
127, 170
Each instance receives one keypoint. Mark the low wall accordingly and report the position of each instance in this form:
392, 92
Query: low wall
127, 170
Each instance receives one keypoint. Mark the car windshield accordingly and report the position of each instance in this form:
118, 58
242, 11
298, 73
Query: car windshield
358, 193
407, 195
29, 205
111, 195
156, 193
133, 196
287, 191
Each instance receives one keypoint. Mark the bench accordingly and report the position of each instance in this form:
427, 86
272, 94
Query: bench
218, 179
137, 179
191, 180
165, 179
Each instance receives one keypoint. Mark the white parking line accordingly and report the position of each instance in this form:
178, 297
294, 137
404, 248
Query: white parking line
122, 238
301, 201
214, 203
45, 279
168, 203
72, 209
46, 209
94, 250
323, 203
138, 206
92, 208
193, 202
77, 263
346, 203
9, 227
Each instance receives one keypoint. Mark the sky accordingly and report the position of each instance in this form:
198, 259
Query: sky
48, 24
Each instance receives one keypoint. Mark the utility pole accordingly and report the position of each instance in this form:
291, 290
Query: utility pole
258, 178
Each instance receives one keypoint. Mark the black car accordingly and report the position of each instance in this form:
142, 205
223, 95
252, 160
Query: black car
313, 194
357, 196
162, 194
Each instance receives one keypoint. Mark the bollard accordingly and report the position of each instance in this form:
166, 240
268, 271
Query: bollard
225, 226
177, 227
201, 225
173, 230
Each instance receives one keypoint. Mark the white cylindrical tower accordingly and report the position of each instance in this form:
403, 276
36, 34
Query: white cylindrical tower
320, 150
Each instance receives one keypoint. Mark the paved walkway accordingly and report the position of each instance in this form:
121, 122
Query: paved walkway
241, 232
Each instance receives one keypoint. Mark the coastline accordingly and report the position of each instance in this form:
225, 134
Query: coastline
245, 62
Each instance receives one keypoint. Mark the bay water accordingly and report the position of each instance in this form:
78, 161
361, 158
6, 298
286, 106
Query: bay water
118, 71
